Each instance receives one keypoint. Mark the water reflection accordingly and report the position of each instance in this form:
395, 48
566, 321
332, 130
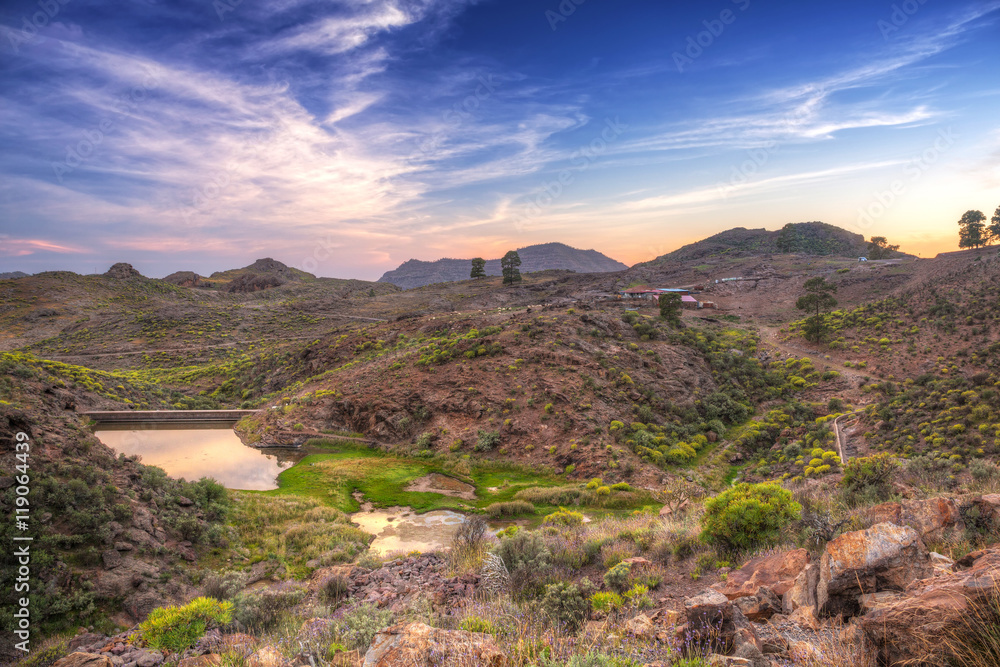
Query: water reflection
200, 449
399, 529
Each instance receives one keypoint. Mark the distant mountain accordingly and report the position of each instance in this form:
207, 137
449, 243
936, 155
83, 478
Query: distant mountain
417, 273
807, 238
11, 275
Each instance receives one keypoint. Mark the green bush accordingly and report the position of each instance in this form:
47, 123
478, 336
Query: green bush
567, 604
606, 601
509, 508
528, 560
564, 517
868, 479
358, 626
262, 610
487, 441
748, 516
178, 628
618, 577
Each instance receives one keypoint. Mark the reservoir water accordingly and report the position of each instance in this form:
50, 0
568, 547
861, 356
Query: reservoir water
193, 450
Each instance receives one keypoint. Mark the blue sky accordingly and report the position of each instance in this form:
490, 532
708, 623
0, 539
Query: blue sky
347, 137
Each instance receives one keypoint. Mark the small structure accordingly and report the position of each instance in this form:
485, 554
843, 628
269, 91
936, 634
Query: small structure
652, 293
689, 302
862, 259
708, 304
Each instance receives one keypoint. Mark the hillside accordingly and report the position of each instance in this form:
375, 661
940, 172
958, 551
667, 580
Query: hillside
807, 238
417, 273
551, 394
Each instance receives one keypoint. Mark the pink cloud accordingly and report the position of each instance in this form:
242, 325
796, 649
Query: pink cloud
20, 247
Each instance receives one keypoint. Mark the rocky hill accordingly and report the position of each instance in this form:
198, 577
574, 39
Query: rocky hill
13, 275
807, 238
417, 273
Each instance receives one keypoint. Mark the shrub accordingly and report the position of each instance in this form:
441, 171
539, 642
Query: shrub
594, 483
527, 559
748, 516
606, 601
868, 478
480, 624
564, 517
567, 604
358, 626
334, 588
178, 628
621, 486
261, 610
224, 585
509, 508
553, 495
618, 577
487, 441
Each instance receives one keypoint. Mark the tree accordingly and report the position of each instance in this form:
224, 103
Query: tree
478, 268
670, 307
818, 297
994, 228
879, 248
972, 232
508, 266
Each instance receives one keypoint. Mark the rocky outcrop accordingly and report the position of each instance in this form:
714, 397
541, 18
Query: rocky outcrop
933, 519
122, 271
419, 645
395, 583
883, 557
183, 279
776, 571
919, 624
713, 621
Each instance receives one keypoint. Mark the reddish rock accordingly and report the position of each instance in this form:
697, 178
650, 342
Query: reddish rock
911, 629
933, 519
776, 571
883, 557
419, 645
83, 660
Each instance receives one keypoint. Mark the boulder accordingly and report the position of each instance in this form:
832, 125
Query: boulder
79, 659
933, 519
641, 626
913, 628
883, 557
713, 620
85, 640
803, 590
761, 606
419, 645
776, 571
209, 660
112, 559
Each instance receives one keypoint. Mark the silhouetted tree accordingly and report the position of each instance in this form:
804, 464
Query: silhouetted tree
818, 297
508, 266
994, 228
879, 248
670, 307
972, 231
478, 268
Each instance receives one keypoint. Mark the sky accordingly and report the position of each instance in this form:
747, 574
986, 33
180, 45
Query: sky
344, 137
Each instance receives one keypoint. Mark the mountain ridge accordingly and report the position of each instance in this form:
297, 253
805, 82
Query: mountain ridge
417, 273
